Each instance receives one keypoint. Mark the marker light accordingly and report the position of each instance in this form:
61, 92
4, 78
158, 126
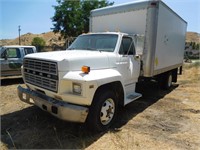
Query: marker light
85, 69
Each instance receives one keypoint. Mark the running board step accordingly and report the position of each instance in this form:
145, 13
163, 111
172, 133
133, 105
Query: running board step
132, 97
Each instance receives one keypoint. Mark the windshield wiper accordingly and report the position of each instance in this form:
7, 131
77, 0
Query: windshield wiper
71, 48
89, 48
105, 50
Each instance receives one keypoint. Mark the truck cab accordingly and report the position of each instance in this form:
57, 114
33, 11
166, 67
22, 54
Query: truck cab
120, 53
12, 59
72, 82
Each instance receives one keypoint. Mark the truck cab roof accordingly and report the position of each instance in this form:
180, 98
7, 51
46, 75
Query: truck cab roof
115, 33
106, 32
2, 48
19, 46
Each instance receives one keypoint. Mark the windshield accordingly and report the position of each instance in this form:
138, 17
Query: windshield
95, 42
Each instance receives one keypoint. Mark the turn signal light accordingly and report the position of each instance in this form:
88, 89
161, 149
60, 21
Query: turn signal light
85, 69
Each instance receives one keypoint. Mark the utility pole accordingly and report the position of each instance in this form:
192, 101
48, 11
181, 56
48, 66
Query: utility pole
19, 34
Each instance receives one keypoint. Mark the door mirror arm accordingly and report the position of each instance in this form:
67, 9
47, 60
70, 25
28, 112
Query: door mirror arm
4, 55
125, 55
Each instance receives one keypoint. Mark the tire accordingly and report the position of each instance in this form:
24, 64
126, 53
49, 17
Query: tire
103, 111
166, 81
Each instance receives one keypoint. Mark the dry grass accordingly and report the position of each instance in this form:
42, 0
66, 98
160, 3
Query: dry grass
159, 120
191, 73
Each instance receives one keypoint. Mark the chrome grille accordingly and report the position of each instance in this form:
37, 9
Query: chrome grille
41, 73
40, 65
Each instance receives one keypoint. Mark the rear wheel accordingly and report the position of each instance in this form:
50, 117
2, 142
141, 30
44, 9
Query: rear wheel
166, 81
103, 111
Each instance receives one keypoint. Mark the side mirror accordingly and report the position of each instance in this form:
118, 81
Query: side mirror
4, 55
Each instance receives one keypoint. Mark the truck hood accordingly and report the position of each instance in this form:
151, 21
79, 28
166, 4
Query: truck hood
73, 60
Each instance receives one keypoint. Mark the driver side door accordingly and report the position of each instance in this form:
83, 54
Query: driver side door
11, 61
129, 67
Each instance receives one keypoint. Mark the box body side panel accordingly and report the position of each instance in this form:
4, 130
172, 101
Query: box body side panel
170, 40
131, 22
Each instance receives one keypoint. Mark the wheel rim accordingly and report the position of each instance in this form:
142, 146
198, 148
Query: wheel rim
170, 80
107, 111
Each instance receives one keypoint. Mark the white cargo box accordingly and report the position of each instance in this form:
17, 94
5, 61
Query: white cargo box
164, 31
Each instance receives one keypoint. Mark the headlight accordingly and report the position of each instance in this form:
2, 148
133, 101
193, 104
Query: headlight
77, 89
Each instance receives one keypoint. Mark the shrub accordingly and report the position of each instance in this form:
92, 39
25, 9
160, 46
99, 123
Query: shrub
37, 41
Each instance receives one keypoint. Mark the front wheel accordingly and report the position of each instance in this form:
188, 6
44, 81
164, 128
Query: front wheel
103, 111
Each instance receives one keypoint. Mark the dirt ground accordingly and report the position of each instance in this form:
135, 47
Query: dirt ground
158, 120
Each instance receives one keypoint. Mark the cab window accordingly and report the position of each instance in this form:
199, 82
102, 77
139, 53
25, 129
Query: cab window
13, 53
127, 46
28, 51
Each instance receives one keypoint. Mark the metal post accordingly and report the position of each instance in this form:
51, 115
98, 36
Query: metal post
19, 35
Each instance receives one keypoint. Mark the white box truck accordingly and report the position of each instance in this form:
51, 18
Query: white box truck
99, 71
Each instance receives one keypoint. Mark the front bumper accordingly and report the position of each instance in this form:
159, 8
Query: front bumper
57, 108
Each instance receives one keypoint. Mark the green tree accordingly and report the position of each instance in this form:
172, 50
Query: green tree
71, 18
37, 41
197, 46
193, 45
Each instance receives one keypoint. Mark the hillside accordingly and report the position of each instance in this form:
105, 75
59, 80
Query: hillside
54, 39
26, 39
193, 37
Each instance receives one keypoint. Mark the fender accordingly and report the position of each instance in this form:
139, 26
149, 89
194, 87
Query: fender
91, 81
101, 77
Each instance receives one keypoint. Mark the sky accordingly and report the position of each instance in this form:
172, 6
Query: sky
34, 16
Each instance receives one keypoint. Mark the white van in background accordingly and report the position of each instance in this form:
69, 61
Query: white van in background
12, 58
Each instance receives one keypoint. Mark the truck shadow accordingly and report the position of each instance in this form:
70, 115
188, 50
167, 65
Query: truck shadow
11, 81
32, 128
151, 93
